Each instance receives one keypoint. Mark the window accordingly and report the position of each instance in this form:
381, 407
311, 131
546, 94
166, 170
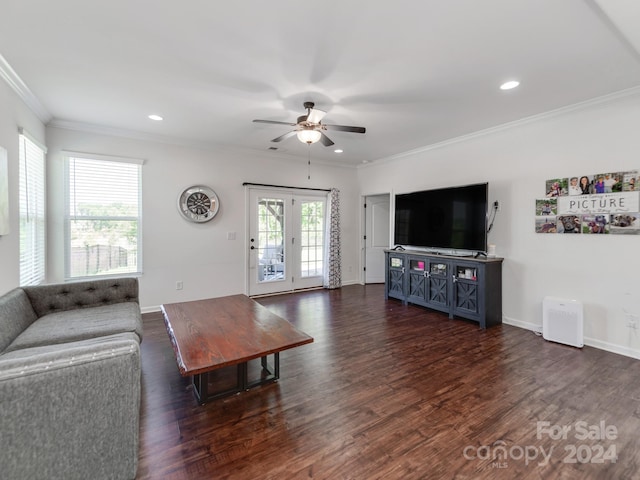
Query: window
103, 216
32, 210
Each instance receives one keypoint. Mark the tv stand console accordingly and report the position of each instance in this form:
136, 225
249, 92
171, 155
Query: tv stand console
463, 287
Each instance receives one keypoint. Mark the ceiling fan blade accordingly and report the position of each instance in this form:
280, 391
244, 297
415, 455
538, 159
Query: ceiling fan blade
344, 128
277, 123
315, 116
285, 136
326, 141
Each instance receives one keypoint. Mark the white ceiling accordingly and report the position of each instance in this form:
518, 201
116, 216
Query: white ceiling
414, 73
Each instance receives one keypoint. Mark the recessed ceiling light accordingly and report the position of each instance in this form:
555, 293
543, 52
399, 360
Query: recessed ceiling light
338, 150
509, 85
157, 118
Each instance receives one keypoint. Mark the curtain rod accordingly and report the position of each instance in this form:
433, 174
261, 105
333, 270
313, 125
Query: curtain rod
284, 186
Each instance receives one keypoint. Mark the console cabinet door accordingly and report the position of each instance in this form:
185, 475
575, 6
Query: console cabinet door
417, 280
467, 297
396, 275
437, 284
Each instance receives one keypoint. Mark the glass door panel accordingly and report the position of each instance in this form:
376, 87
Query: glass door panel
311, 238
270, 239
308, 240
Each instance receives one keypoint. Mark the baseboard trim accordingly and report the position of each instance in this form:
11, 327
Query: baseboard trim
610, 347
263, 295
152, 309
534, 327
591, 342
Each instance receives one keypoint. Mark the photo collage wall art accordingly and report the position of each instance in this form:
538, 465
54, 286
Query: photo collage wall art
607, 203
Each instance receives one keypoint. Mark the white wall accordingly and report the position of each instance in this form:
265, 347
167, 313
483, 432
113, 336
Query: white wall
13, 114
197, 254
601, 271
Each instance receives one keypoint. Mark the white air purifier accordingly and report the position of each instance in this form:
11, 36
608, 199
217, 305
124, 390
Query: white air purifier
562, 321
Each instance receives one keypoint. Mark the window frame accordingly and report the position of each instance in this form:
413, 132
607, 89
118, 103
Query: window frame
32, 205
69, 157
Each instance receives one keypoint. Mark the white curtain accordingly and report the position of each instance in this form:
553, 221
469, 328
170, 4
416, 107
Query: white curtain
332, 270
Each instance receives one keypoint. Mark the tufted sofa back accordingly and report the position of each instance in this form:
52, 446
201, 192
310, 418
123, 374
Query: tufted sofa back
47, 299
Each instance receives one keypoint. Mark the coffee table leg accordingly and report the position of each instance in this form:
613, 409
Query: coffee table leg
276, 366
270, 375
200, 381
201, 387
242, 377
200, 384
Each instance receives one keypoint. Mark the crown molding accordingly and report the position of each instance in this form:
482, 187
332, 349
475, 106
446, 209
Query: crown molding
181, 142
611, 97
14, 81
125, 133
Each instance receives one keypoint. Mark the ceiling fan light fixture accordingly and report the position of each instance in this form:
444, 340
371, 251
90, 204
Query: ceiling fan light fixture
309, 135
309, 129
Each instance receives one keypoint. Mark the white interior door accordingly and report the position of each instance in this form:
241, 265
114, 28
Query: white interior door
286, 241
376, 237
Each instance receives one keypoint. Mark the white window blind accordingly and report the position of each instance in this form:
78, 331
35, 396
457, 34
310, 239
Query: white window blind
103, 216
32, 211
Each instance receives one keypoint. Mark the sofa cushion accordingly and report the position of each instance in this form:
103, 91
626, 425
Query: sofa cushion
16, 314
81, 324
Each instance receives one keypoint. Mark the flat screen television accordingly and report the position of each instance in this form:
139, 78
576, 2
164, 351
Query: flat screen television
453, 218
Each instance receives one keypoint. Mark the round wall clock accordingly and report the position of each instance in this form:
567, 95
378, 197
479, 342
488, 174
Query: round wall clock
198, 204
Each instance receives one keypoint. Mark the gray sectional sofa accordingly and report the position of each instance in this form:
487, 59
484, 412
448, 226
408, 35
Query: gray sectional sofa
70, 380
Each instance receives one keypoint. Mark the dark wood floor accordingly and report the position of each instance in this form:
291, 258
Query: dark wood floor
396, 392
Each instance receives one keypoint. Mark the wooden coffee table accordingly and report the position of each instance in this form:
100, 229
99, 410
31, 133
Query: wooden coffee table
220, 332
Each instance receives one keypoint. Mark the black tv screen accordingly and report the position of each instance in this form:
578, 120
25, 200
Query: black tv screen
446, 218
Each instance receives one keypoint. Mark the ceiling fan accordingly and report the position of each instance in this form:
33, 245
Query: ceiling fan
309, 127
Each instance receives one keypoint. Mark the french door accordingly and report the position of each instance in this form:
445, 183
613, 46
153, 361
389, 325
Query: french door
286, 240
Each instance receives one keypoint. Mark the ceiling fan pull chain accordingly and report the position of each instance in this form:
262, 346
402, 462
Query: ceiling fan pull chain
309, 162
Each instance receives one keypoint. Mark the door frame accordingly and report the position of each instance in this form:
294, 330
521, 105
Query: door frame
363, 228
284, 190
